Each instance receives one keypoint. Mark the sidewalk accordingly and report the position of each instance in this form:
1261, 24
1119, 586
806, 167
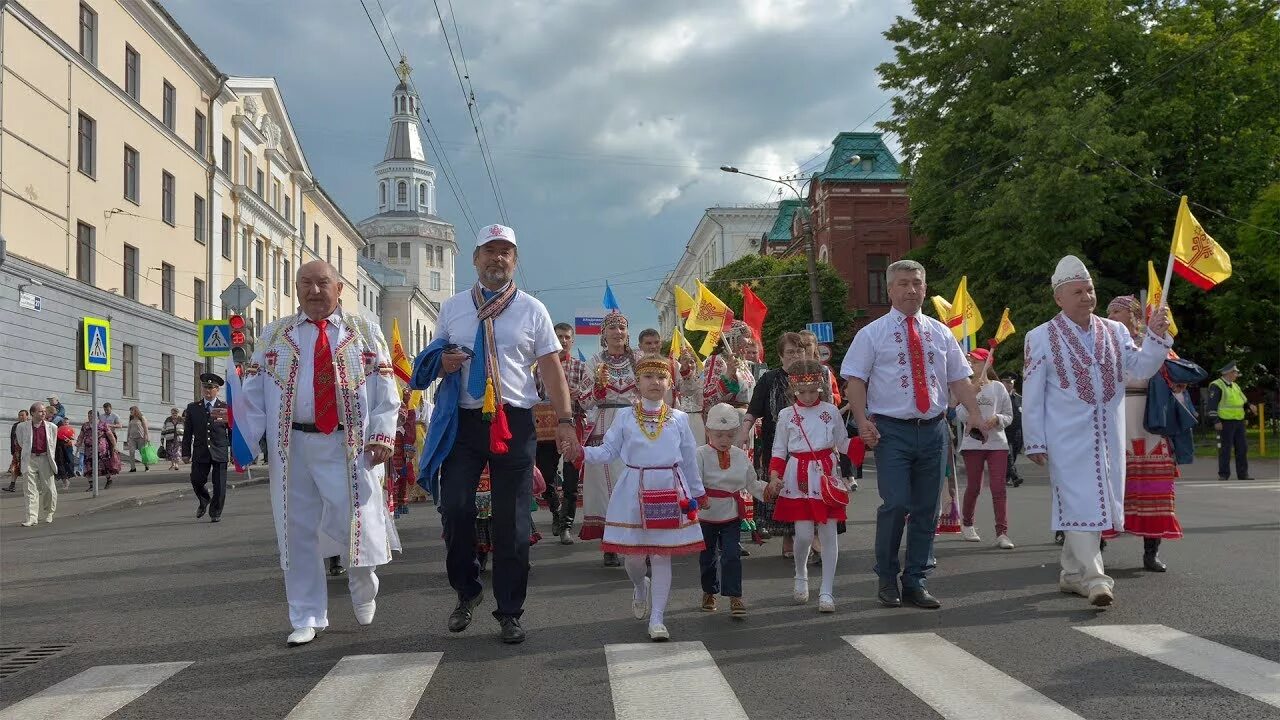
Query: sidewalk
127, 490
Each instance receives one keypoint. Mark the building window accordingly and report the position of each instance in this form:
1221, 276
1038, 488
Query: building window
166, 378
260, 184
166, 288
87, 157
130, 371
199, 370
439, 256
166, 197
402, 193
198, 225
88, 34
226, 237
199, 133
422, 196
302, 224
246, 162
275, 271
131, 272
257, 318
288, 209
877, 282
288, 278
131, 163
275, 194
328, 249
435, 280
392, 251
82, 375
315, 238
170, 105
226, 155
404, 251
339, 263
244, 251
382, 193
132, 73
197, 297
257, 259
85, 251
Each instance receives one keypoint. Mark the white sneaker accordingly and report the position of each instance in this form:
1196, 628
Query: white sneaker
801, 591
48, 520
826, 603
301, 636
1071, 588
28, 523
658, 633
969, 533
364, 612
1101, 596
1004, 543
640, 602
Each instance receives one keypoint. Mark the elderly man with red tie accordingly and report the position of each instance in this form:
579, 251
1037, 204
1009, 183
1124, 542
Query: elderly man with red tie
899, 369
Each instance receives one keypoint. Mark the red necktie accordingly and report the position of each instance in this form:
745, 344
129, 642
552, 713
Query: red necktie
323, 385
916, 350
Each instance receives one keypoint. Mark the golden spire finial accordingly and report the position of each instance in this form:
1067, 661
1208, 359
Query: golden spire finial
403, 69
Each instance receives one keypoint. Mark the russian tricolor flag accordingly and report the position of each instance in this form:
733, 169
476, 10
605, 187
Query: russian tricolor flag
240, 419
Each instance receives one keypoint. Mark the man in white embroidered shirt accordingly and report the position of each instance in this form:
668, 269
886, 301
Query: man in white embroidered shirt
899, 370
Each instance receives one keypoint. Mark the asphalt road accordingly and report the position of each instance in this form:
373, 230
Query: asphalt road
152, 585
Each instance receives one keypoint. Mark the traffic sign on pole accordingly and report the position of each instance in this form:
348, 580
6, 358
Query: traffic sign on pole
96, 338
214, 338
823, 330
237, 296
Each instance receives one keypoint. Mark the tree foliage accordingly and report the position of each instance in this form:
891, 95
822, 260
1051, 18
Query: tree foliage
1033, 130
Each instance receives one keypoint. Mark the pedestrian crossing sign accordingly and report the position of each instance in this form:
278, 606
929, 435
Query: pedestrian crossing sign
215, 338
96, 339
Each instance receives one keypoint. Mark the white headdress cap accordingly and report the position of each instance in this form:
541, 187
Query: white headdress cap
1070, 269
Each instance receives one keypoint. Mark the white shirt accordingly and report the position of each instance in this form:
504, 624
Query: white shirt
524, 333
993, 401
879, 357
304, 397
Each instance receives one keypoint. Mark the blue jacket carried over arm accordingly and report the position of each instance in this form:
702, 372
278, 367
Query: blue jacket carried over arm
1170, 415
443, 428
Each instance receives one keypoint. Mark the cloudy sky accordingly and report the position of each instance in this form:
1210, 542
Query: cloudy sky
608, 121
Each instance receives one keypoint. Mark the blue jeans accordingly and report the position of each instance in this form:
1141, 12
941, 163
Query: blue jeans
721, 539
910, 463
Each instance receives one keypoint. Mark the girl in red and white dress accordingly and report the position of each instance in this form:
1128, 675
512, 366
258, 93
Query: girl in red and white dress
808, 435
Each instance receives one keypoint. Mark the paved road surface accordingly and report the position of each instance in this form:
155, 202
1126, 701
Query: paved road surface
148, 613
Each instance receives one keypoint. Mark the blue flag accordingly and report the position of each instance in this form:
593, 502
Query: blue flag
610, 302
581, 357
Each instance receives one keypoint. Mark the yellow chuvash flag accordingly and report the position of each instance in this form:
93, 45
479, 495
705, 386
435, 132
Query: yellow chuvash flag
709, 313
1006, 328
942, 307
965, 317
1196, 256
684, 302
400, 363
680, 343
1155, 294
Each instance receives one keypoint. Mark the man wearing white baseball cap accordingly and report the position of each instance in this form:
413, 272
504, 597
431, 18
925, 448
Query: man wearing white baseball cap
493, 334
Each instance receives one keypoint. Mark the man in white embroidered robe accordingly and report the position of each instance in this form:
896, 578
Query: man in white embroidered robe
330, 428
1073, 420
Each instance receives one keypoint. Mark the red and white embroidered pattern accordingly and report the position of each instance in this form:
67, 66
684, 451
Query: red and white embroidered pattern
826, 417
1055, 347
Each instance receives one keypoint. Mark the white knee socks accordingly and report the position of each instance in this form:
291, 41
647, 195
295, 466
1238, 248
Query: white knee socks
660, 581
830, 552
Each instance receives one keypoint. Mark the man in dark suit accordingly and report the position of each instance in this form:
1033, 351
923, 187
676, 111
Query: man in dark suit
206, 443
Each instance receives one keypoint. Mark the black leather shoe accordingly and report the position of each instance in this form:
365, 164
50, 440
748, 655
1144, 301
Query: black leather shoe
200, 510
1247, 477
1152, 562
612, 560
512, 633
889, 595
214, 519
921, 598
460, 618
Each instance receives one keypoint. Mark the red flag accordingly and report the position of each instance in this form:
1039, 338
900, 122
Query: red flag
754, 311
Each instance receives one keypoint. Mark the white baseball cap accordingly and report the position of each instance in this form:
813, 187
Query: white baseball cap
495, 232
723, 416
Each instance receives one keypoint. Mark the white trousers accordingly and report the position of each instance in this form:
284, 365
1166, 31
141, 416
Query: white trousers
41, 492
318, 523
1081, 561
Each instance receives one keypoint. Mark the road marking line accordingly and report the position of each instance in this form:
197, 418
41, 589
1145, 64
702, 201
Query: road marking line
1266, 485
387, 687
93, 694
956, 684
655, 681
1247, 674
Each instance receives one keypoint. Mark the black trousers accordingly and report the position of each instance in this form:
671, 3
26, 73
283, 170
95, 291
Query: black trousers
548, 459
200, 476
1232, 437
511, 482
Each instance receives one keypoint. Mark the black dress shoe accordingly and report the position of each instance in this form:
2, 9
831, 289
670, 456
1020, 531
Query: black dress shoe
214, 519
512, 633
200, 510
460, 618
921, 598
889, 595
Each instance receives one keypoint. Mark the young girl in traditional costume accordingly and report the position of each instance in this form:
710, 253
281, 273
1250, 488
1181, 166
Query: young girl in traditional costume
802, 476
652, 513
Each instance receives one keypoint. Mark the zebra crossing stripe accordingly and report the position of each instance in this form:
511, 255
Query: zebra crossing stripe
956, 684
386, 687
93, 694
657, 681
1247, 674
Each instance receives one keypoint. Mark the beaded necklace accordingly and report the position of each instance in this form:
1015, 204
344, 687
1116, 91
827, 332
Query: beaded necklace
657, 418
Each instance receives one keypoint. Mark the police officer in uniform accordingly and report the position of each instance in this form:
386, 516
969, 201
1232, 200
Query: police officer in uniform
206, 443
1227, 406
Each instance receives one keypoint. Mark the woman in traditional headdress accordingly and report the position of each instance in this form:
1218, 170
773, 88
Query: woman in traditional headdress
728, 376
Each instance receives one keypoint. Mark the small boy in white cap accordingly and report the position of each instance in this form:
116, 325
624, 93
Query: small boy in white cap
727, 475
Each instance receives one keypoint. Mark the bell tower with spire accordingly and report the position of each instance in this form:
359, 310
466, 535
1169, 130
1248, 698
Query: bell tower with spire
405, 181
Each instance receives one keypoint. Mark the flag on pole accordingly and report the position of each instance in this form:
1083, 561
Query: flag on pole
965, 317
754, 311
942, 308
1005, 328
684, 302
610, 302
680, 343
1196, 256
242, 453
401, 365
581, 357
1155, 294
709, 313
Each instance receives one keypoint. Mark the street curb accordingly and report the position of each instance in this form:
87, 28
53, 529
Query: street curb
133, 502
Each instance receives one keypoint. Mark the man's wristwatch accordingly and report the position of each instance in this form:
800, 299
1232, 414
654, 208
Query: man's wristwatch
565, 421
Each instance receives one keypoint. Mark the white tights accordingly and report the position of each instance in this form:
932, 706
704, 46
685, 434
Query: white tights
830, 552
660, 571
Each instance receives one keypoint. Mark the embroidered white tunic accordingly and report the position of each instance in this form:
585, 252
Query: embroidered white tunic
825, 429
738, 477
1072, 398
663, 463
368, 406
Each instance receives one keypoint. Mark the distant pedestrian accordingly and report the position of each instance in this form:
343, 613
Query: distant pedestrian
139, 436
113, 421
54, 410
15, 463
206, 441
1227, 408
101, 440
171, 436
993, 453
38, 439
1014, 431
65, 455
